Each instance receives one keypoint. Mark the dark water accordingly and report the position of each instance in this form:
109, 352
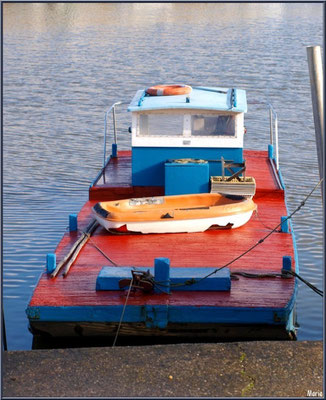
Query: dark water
65, 64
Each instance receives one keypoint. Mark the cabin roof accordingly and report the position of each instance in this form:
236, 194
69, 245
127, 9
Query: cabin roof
202, 98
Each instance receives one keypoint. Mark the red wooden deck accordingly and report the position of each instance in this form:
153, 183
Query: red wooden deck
208, 249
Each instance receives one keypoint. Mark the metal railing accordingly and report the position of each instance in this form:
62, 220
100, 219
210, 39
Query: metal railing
115, 136
274, 134
273, 146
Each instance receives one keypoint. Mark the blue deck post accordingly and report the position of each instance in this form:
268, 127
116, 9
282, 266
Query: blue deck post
162, 274
287, 263
114, 150
50, 262
270, 151
73, 225
285, 225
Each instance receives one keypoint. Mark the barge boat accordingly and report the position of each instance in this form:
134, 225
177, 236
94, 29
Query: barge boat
220, 283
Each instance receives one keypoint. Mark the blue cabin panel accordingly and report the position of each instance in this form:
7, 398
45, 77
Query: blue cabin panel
186, 178
148, 163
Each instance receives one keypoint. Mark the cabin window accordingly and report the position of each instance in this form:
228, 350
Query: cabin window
212, 125
160, 125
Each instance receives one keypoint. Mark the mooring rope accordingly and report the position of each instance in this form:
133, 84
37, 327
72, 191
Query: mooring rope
102, 252
192, 281
259, 219
284, 274
313, 287
123, 313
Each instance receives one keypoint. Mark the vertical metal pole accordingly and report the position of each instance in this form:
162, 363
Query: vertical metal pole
114, 125
317, 84
271, 124
114, 145
276, 143
105, 129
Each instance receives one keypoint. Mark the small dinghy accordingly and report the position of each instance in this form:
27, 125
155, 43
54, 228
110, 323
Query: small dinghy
172, 214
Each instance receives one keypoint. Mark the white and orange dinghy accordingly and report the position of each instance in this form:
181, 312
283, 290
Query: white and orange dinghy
172, 214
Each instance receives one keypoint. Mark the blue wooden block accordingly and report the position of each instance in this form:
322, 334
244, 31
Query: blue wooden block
285, 225
219, 281
287, 263
109, 277
186, 178
73, 224
50, 262
270, 151
114, 150
162, 274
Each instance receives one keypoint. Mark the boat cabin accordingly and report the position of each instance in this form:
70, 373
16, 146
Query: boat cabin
178, 141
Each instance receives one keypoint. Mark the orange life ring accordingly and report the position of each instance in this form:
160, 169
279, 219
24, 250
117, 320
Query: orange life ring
168, 90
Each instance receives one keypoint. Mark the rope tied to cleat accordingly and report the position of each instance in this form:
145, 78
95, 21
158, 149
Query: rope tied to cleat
310, 285
139, 280
284, 274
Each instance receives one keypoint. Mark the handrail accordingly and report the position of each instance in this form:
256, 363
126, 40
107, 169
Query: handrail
272, 113
112, 108
273, 135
